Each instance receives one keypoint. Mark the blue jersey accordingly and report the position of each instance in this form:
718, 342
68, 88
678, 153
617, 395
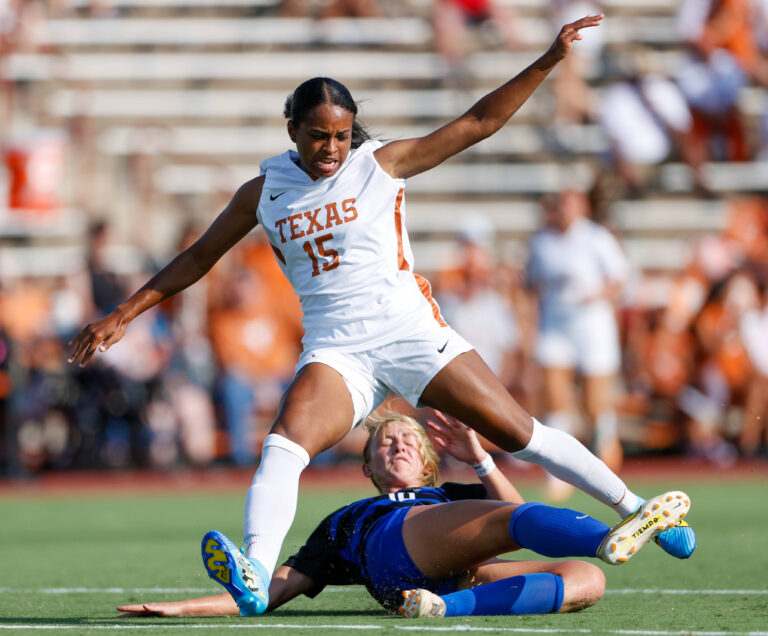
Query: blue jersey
333, 553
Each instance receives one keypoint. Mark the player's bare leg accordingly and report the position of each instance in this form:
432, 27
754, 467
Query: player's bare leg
315, 413
316, 410
471, 532
559, 398
584, 583
469, 391
598, 403
564, 586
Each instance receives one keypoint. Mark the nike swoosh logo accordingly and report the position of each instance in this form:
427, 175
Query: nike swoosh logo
441, 349
272, 198
581, 517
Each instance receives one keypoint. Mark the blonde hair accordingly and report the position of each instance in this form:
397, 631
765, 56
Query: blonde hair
377, 424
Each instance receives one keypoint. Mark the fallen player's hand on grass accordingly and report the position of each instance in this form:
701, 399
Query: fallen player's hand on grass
218, 605
175, 608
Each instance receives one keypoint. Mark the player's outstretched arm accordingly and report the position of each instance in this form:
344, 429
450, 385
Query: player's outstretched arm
286, 584
461, 443
408, 157
218, 605
237, 219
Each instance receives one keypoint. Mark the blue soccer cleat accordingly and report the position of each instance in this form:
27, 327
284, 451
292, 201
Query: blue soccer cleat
245, 579
679, 541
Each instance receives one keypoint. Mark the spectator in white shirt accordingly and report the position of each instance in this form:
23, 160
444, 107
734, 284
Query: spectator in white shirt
576, 268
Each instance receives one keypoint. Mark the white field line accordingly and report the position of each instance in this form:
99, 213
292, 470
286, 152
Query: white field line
409, 628
363, 627
340, 588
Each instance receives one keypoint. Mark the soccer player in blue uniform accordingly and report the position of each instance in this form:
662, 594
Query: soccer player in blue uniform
430, 551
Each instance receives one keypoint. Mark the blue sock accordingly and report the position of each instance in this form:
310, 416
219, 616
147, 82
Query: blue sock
556, 532
527, 594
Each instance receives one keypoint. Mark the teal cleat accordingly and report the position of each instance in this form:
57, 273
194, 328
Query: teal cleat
245, 579
679, 541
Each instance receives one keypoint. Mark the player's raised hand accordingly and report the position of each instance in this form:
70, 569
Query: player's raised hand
100, 334
569, 34
455, 438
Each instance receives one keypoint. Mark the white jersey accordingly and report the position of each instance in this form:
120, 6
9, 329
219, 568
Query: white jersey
341, 242
572, 267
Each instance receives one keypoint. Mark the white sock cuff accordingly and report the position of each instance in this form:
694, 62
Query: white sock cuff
534, 444
273, 439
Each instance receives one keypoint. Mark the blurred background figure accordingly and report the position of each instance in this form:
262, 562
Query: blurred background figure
190, 377
107, 290
145, 151
471, 303
723, 38
576, 268
723, 369
646, 121
574, 100
760, 30
255, 330
753, 329
323, 9
35, 389
455, 22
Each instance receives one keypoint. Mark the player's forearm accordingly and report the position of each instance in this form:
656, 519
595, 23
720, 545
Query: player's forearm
496, 108
500, 488
287, 584
180, 273
218, 605
496, 483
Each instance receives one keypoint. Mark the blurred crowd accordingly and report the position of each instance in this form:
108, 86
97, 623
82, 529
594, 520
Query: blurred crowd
197, 380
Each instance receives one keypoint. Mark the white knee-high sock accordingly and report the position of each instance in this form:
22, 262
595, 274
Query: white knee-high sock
567, 459
270, 504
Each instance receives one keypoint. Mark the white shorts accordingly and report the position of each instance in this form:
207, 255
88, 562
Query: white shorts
589, 345
404, 367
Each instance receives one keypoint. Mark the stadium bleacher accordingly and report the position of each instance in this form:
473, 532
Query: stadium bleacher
199, 86
167, 106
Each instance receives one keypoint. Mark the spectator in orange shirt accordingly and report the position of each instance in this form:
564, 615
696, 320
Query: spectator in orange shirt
255, 328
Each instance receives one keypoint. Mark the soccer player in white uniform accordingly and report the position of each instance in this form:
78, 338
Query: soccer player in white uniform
334, 211
577, 269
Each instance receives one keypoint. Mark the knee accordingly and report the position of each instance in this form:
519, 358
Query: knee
303, 427
510, 430
584, 584
593, 582
296, 434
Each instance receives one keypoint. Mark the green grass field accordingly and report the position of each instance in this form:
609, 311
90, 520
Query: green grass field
67, 561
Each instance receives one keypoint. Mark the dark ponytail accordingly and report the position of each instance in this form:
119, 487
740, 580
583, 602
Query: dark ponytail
323, 90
